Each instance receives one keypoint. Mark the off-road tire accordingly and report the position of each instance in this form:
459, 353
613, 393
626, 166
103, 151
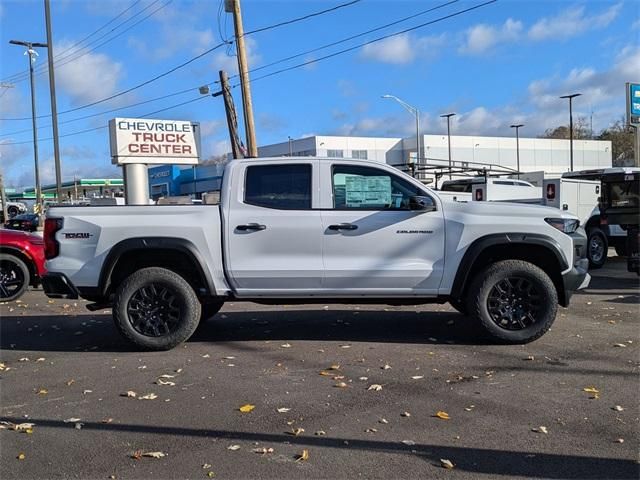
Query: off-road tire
544, 300
14, 277
597, 247
172, 292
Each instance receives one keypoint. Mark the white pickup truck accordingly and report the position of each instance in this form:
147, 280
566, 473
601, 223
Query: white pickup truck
309, 230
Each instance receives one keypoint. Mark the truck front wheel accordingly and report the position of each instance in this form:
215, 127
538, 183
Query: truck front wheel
514, 301
597, 247
156, 309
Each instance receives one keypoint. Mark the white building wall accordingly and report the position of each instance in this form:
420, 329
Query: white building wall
550, 155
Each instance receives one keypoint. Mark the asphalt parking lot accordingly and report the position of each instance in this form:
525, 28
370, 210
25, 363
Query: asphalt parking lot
339, 391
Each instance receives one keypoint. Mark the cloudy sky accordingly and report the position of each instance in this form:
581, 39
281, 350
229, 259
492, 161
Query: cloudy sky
497, 64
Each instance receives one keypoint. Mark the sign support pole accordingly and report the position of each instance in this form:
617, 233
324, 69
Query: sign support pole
136, 182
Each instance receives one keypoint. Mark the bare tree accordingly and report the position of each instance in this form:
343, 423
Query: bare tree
581, 130
621, 142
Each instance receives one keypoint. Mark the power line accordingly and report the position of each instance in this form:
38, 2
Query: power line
422, 25
352, 37
65, 55
106, 126
84, 117
304, 17
131, 89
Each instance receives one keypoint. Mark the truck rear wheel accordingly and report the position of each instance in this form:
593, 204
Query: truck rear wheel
597, 247
156, 309
514, 301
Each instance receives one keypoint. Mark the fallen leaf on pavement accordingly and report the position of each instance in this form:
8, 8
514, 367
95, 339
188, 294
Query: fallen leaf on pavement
233, 448
371, 430
405, 414
21, 456
417, 377
148, 396
620, 440
296, 431
154, 454
386, 367
621, 345
286, 345
375, 387
263, 450
303, 457
246, 408
166, 375
16, 426
409, 442
341, 385
206, 465
42, 391
591, 390
383, 420
72, 420
70, 382
334, 367
165, 382
540, 430
617, 408
130, 394
42, 359
320, 433
529, 358
442, 415
283, 410
446, 463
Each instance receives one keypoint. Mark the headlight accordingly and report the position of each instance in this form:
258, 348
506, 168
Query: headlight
565, 225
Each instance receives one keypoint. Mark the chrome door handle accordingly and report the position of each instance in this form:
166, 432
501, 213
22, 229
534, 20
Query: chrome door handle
343, 226
251, 226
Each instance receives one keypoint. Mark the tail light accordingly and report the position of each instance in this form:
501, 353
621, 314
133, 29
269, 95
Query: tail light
479, 194
51, 245
551, 191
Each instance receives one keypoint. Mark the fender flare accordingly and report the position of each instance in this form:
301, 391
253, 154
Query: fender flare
481, 244
149, 243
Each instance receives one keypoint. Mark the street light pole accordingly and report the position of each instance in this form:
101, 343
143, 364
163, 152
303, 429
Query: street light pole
414, 111
448, 117
571, 97
31, 53
517, 127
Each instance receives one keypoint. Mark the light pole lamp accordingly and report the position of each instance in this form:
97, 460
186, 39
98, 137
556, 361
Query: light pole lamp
517, 127
31, 53
414, 111
448, 117
571, 97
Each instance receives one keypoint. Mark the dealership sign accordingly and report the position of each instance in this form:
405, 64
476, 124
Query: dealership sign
633, 103
149, 141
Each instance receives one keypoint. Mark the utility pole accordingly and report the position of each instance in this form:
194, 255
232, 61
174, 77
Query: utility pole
230, 110
31, 53
54, 107
233, 6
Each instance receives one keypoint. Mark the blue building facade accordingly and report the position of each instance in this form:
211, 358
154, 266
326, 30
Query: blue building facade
174, 180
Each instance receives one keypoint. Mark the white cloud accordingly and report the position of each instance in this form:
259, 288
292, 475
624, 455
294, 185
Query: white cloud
88, 78
210, 127
404, 48
396, 50
571, 22
481, 38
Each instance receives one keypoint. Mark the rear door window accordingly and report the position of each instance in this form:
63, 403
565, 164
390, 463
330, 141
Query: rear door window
283, 187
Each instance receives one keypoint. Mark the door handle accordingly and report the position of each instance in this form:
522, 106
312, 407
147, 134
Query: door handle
251, 226
343, 226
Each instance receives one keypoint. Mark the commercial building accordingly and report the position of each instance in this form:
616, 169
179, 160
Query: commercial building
175, 180
76, 189
536, 154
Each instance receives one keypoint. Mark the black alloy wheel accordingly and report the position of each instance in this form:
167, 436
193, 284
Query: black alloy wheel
14, 277
154, 310
514, 303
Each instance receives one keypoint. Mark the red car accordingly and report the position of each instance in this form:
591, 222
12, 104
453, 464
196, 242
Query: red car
21, 263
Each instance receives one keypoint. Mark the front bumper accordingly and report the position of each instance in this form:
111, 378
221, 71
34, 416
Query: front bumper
57, 285
578, 277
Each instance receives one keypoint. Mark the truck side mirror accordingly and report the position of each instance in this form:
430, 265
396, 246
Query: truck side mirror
421, 203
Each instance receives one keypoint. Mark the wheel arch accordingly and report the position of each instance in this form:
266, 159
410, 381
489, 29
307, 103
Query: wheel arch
176, 254
28, 261
537, 249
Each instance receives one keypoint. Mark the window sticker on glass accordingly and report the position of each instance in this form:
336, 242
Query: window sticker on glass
367, 191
